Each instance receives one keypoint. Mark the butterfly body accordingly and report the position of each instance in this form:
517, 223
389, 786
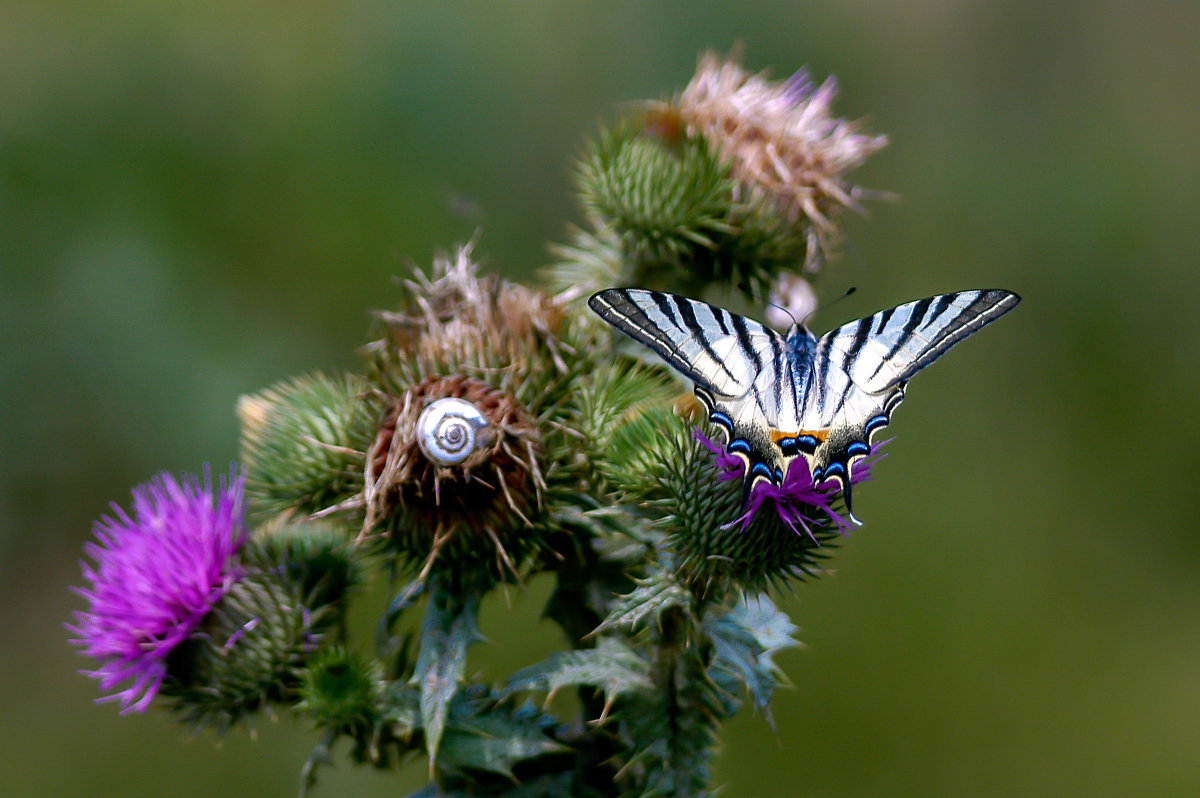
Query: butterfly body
779, 398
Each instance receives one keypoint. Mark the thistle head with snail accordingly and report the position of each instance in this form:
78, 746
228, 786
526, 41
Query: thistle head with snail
454, 475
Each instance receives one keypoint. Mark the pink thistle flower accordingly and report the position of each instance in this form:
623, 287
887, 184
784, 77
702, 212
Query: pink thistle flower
798, 500
156, 576
781, 137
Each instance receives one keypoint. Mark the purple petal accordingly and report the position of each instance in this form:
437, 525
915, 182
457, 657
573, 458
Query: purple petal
799, 502
157, 573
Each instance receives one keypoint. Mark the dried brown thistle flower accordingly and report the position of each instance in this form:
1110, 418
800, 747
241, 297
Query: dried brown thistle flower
470, 368
457, 317
455, 486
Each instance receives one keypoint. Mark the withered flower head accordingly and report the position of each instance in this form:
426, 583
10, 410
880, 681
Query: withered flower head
780, 137
456, 318
469, 365
455, 467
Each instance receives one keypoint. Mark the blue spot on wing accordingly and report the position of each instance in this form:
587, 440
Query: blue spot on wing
807, 443
800, 443
878, 421
835, 471
761, 470
739, 446
857, 448
722, 419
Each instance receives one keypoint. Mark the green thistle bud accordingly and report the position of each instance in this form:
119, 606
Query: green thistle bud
343, 691
304, 443
765, 244
314, 558
590, 263
637, 448
706, 524
618, 408
246, 654
668, 202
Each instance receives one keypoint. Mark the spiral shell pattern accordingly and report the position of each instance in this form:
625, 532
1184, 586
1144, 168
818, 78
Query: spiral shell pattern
450, 430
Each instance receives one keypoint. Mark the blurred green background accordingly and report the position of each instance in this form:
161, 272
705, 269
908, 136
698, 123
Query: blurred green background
198, 199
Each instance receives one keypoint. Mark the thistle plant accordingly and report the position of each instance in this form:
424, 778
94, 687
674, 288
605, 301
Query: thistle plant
496, 432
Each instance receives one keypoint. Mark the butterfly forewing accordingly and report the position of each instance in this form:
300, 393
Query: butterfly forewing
891, 346
862, 368
716, 349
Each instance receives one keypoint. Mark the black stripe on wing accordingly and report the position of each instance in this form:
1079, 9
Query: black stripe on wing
895, 344
714, 348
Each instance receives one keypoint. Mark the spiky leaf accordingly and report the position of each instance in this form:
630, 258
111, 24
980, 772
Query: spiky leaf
449, 629
654, 597
745, 640
484, 736
611, 667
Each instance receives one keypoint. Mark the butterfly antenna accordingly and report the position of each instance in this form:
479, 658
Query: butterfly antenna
785, 310
744, 288
818, 309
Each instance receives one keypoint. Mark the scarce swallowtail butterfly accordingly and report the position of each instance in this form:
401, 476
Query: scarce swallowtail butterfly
779, 398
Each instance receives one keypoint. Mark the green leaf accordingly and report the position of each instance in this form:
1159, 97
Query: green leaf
744, 641
611, 666
651, 599
448, 630
493, 738
771, 625
401, 709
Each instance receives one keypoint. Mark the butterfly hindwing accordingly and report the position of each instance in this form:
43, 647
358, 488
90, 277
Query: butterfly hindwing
781, 398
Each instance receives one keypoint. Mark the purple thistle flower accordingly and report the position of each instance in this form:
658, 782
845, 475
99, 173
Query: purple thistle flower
797, 496
156, 576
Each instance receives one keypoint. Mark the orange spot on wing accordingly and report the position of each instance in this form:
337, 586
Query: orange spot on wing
820, 434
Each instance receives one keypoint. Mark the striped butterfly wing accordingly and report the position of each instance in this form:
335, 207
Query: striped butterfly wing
712, 347
776, 398
891, 346
743, 373
860, 371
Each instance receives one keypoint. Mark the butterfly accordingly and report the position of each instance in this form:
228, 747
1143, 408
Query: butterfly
781, 397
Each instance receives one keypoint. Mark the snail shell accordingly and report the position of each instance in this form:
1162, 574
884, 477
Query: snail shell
450, 430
